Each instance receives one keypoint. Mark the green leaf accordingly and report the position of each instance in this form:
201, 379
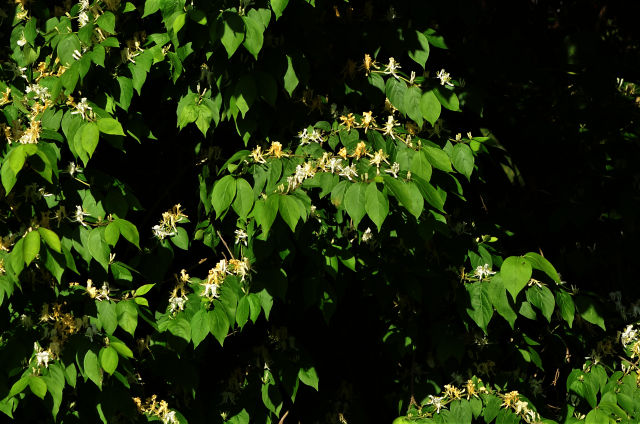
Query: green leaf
566, 306
127, 315
407, 194
199, 327
254, 306
542, 298
223, 193
110, 126
218, 324
232, 32
309, 376
66, 47
376, 205
412, 99
126, 92
420, 166
19, 386
92, 368
187, 111
430, 194
122, 349
354, 202
244, 198
462, 158
447, 98
51, 238
278, 7
290, 78
181, 239
481, 308
107, 315
89, 137
242, 313
107, 21
460, 412
538, 262
31, 246
128, 231
289, 210
498, 296
589, 311
38, 386
253, 38
111, 233
395, 91
151, 7
142, 290
108, 359
245, 93
515, 273
98, 248
420, 54
265, 212
597, 416
438, 158
180, 327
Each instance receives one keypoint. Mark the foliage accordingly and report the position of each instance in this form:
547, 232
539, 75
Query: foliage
316, 244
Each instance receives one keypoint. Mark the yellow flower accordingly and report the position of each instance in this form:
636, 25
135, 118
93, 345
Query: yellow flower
348, 121
276, 150
343, 153
367, 120
361, 150
256, 155
510, 399
452, 392
369, 64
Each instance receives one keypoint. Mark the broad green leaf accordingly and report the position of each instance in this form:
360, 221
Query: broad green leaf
244, 198
180, 327
142, 290
151, 7
290, 78
218, 324
128, 231
254, 306
110, 126
188, 110
539, 262
278, 7
462, 158
589, 311
421, 53
92, 368
223, 193
253, 38
19, 386
498, 296
412, 98
447, 98
98, 248
289, 210
566, 306
420, 166
354, 202
107, 21
481, 309
309, 376
407, 194
51, 238
460, 412
597, 416
181, 239
232, 32
265, 212
127, 315
542, 298
66, 48
438, 158
245, 93
31, 246
38, 386
430, 194
242, 313
376, 205
515, 273
107, 315
55, 384
90, 136
71, 375
122, 349
199, 327
395, 91
108, 359
111, 233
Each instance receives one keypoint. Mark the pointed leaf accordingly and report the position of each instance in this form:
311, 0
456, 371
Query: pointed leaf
354, 202
515, 273
376, 205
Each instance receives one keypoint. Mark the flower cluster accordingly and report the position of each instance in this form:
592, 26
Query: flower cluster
483, 271
156, 408
167, 227
630, 339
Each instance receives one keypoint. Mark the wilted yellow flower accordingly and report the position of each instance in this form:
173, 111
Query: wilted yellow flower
367, 120
452, 392
348, 121
361, 150
343, 153
276, 150
368, 64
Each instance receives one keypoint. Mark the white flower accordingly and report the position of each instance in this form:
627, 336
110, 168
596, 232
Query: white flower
395, 168
628, 335
210, 290
445, 78
367, 235
170, 418
83, 109
177, 304
241, 236
334, 164
306, 138
348, 172
388, 127
79, 215
483, 271
436, 401
392, 67
42, 356
22, 41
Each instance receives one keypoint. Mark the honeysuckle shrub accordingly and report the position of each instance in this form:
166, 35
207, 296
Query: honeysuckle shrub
259, 212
